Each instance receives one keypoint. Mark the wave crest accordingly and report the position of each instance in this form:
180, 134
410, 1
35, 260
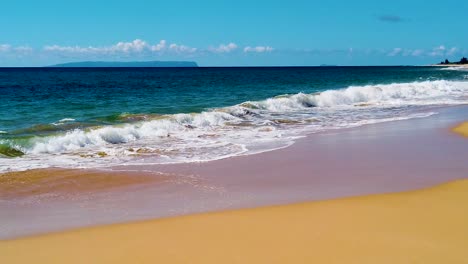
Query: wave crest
248, 127
417, 93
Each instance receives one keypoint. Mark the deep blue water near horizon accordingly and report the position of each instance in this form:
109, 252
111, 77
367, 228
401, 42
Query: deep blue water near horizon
32, 97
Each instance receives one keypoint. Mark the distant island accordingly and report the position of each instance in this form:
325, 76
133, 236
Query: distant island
461, 62
149, 64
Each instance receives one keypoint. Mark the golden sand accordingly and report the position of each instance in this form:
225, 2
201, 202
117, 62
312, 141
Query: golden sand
425, 226
461, 129
451, 65
43, 181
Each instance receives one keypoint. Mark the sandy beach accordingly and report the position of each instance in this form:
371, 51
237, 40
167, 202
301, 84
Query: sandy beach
425, 226
378, 158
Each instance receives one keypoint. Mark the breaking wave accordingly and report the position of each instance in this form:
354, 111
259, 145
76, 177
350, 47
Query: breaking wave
246, 128
417, 93
455, 68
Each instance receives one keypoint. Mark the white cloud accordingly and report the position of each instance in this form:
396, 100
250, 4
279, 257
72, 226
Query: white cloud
437, 51
124, 47
258, 49
417, 52
5, 47
224, 48
136, 46
23, 49
452, 51
12, 52
139, 48
15, 50
405, 52
58, 48
395, 52
442, 51
181, 48
160, 46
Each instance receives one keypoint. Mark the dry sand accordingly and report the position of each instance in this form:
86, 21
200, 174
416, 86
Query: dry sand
461, 129
424, 226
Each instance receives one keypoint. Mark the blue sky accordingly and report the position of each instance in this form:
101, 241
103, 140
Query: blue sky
234, 33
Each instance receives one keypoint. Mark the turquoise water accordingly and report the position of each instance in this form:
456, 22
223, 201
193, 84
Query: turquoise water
106, 116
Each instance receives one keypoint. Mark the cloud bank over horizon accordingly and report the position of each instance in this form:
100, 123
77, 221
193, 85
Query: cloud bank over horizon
136, 49
139, 49
139, 46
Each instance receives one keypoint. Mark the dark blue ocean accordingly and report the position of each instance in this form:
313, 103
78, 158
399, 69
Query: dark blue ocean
94, 117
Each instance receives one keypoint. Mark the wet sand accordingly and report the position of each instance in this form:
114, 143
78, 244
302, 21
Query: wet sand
378, 158
62, 183
425, 226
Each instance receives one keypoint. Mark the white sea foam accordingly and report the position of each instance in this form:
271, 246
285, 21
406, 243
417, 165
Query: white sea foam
63, 121
66, 120
455, 68
247, 128
417, 93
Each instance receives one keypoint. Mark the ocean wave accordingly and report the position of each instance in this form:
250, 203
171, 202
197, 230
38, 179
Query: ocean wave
64, 120
246, 128
455, 68
156, 129
417, 93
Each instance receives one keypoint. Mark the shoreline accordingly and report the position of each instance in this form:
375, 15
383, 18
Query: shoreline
382, 228
450, 65
290, 175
